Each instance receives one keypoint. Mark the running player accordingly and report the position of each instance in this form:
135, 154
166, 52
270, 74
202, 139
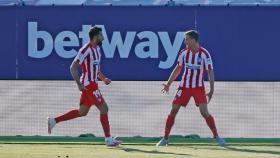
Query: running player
88, 58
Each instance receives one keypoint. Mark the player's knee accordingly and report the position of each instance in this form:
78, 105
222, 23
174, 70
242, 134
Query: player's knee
104, 109
205, 114
83, 113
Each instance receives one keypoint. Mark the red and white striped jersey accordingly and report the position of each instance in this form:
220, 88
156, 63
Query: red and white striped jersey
195, 66
89, 59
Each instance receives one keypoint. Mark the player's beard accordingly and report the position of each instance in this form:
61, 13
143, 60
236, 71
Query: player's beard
99, 43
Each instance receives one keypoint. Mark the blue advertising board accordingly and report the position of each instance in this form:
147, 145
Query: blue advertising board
8, 43
141, 43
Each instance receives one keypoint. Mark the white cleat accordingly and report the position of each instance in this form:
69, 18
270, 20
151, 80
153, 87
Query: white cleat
162, 142
220, 141
112, 142
51, 124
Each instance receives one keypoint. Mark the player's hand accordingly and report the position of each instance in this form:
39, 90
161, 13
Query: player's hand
107, 81
165, 88
81, 87
209, 95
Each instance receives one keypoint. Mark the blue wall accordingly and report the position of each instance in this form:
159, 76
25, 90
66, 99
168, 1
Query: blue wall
243, 41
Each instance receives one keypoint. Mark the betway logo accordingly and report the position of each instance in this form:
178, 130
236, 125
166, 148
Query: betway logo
124, 46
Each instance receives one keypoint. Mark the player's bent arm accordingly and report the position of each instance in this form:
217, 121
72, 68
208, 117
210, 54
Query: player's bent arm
174, 74
102, 77
211, 78
74, 72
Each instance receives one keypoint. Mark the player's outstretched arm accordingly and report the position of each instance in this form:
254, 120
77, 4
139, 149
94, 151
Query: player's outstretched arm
211, 77
103, 78
74, 72
172, 77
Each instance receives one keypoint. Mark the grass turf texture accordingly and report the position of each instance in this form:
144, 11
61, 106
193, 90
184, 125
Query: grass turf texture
135, 147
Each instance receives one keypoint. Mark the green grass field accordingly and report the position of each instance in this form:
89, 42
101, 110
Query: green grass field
70, 147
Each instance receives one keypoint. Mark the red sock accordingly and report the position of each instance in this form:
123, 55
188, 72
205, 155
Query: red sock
67, 116
211, 124
105, 124
169, 123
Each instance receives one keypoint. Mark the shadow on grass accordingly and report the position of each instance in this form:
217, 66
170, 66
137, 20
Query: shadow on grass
252, 150
241, 150
155, 151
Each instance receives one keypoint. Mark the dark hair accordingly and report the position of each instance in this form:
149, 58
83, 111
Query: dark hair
94, 31
193, 34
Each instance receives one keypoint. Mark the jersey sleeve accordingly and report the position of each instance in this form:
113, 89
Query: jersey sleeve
99, 53
81, 56
208, 62
180, 58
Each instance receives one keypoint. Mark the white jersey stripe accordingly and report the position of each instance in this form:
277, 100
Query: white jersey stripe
200, 84
91, 65
99, 59
94, 64
86, 81
194, 71
182, 80
97, 65
189, 71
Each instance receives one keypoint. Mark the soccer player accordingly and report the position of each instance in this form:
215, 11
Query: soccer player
196, 61
88, 58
